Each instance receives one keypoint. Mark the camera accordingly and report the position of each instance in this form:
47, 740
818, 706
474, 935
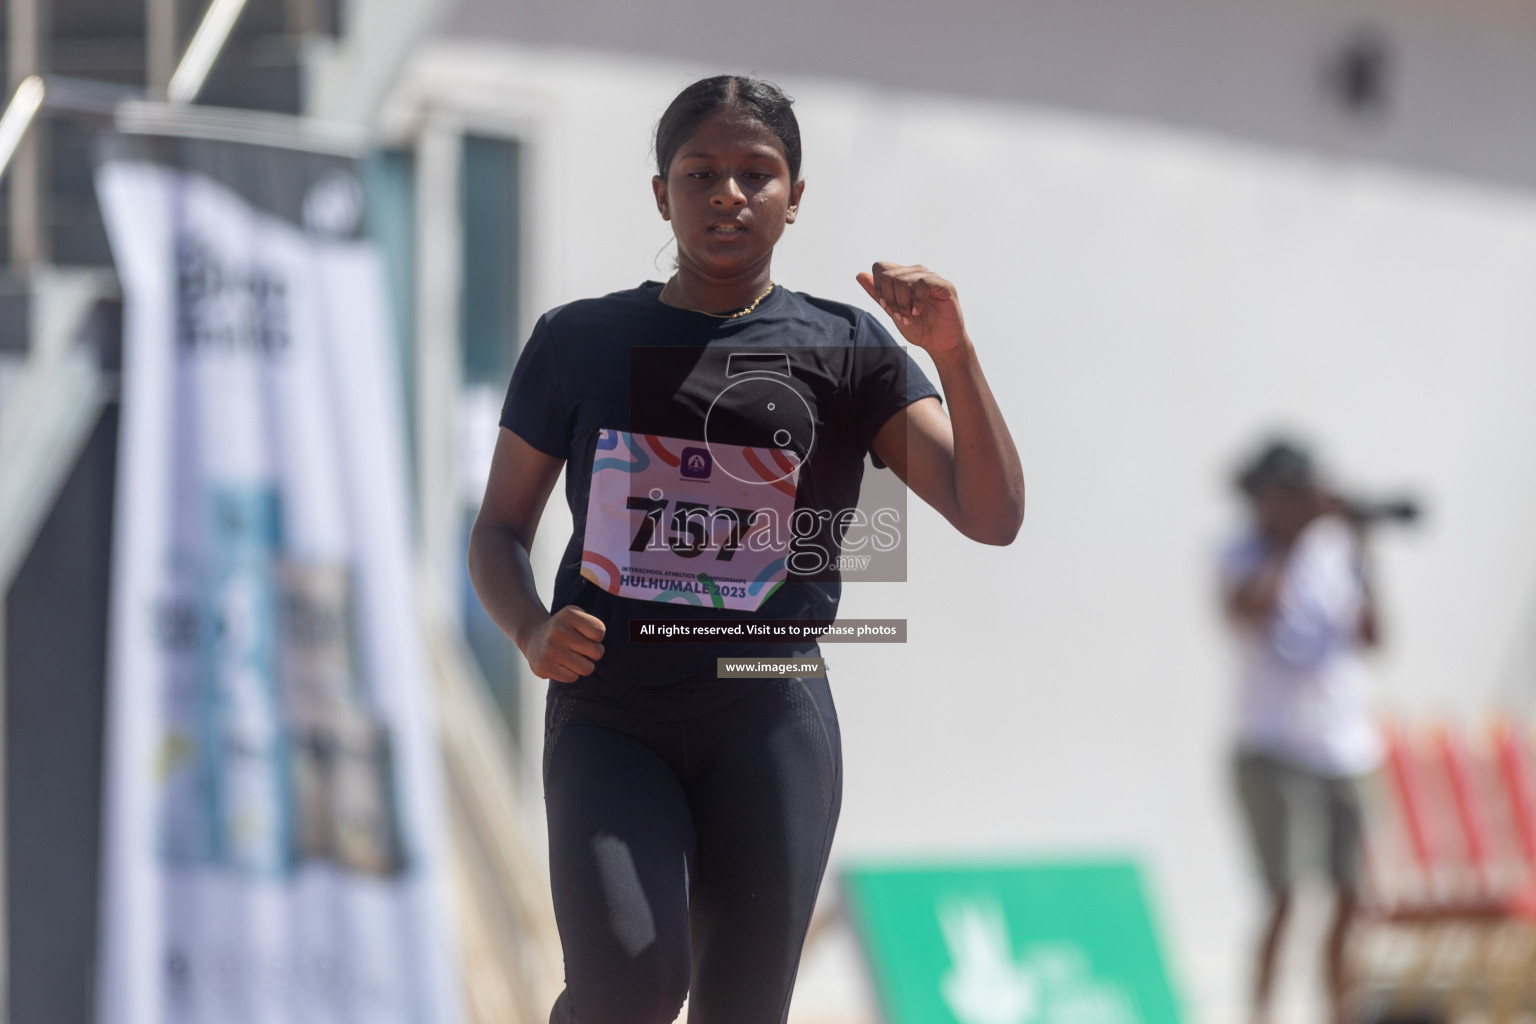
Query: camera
1370, 512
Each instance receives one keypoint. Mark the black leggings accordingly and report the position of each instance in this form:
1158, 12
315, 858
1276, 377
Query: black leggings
685, 855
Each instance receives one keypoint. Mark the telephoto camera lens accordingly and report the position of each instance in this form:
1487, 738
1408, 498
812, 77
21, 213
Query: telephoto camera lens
1391, 510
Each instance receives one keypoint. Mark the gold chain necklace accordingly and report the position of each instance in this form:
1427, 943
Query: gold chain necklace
719, 316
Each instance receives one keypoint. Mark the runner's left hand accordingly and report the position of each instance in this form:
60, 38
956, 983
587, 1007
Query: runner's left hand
924, 306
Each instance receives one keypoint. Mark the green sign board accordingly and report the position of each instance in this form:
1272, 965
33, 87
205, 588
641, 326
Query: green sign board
1024, 943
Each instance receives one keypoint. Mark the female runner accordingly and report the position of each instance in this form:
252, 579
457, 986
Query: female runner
713, 431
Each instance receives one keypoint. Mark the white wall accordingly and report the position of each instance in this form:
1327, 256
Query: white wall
1145, 301
1459, 96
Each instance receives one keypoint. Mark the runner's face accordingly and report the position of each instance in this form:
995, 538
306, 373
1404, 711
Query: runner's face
728, 196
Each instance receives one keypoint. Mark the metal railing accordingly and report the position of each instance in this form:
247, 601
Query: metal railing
510, 949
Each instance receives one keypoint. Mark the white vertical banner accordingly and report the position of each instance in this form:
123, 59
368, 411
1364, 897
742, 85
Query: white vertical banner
274, 843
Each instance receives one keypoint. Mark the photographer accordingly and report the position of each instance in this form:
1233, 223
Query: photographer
1296, 591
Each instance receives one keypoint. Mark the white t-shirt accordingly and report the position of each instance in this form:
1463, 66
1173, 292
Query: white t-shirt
1304, 692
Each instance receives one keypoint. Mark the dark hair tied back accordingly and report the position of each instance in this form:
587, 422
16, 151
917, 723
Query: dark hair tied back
762, 101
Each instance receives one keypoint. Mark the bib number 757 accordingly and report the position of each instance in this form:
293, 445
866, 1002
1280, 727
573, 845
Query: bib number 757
691, 523
659, 505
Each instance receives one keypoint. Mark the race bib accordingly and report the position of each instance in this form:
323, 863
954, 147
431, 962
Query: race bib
688, 522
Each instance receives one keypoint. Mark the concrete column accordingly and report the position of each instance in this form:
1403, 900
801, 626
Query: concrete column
159, 44
302, 16
26, 54
439, 282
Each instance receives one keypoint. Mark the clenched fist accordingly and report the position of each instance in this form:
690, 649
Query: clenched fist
924, 306
565, 646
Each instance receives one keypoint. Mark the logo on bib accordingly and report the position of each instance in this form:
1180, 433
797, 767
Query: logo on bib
696, 463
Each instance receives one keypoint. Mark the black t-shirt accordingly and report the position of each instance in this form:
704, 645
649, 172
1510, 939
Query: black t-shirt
629, 362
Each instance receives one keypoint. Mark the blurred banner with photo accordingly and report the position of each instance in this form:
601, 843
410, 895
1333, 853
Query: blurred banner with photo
274, 820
